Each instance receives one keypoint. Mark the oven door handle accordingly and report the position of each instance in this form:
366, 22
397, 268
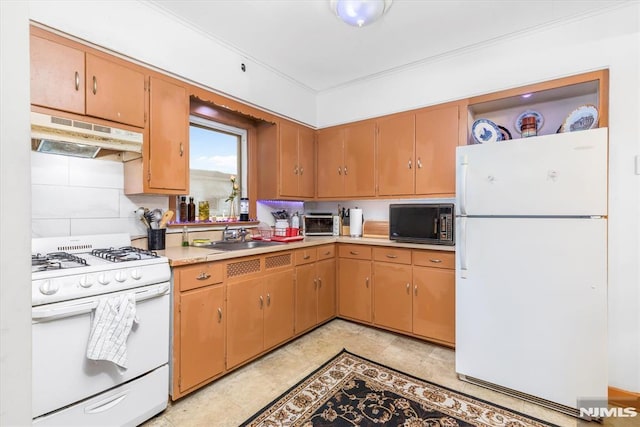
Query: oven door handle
44, 313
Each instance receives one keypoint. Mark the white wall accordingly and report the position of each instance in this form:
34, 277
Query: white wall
15, 211
76, 196
609, 40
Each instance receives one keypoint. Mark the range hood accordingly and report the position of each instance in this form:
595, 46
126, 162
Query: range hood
70, 137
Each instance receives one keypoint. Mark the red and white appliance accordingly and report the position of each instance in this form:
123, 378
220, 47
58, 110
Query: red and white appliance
70, 275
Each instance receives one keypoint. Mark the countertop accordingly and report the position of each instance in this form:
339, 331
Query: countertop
181, 255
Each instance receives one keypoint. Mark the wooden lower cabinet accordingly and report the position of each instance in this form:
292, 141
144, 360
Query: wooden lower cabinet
354, 300
392, 305
434, 303
199, 327
315, 286
261, 310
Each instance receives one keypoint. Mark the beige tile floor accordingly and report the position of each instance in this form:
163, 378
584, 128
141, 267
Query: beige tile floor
232, 399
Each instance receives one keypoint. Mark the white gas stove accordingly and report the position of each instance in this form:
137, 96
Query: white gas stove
71, 277
71, 267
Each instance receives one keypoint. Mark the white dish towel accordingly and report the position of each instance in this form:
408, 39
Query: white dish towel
112, 321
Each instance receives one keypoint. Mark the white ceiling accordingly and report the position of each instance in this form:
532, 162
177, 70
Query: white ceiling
304, 41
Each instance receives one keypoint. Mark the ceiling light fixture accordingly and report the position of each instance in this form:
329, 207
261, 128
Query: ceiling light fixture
359, 12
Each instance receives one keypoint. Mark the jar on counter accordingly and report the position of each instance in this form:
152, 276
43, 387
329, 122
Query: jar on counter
281, 227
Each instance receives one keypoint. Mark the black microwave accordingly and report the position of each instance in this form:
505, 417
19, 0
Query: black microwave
428, 223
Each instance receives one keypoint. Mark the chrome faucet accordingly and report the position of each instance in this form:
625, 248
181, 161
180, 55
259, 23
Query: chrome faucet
229, 235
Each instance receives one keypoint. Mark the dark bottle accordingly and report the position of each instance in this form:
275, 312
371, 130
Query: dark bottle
191, 210
183, 209
244, 209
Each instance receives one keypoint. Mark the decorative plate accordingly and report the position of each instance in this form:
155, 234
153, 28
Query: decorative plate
538, 116
484, 130
582, 118
506, 135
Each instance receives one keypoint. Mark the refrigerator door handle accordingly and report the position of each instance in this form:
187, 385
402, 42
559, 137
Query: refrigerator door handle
464, 165
463, 247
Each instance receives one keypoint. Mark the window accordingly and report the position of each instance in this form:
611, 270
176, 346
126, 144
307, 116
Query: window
216, 152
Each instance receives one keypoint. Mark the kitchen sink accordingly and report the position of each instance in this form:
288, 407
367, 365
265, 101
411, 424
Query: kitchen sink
236, 246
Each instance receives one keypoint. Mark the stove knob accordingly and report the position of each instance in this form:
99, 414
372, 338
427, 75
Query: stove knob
136, 274
121, 276
48, 288
103, 279
86, 281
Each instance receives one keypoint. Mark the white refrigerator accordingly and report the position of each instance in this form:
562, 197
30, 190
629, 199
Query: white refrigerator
531, 267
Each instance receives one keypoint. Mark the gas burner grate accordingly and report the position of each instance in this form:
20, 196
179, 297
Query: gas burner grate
64, 256
126, 253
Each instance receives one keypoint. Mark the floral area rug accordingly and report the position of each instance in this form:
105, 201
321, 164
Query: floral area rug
349, 390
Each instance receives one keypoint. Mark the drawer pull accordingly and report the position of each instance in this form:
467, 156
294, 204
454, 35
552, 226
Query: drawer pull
203, 276
219, 315
435, 260
306, 257
354, 253
392, 256
328, 253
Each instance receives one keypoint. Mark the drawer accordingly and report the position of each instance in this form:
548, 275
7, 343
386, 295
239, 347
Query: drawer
440, 259
198, 275
389, 254
306, 255
326, 252
354, 251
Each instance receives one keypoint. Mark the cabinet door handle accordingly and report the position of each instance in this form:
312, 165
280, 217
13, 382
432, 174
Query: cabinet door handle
339, 170
181, 149
295, 170
268, 300
328, 253
408, 288
409, 164
261, 301
301, 170
203, 276
306, 257
315, 283
354, 252
435, 260
392, 256
77, 81
419, 163
219, 314
319, 282
95, 85
345, 170
415, 290
366, 282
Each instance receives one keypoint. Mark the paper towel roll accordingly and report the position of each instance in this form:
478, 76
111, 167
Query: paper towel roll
355, 222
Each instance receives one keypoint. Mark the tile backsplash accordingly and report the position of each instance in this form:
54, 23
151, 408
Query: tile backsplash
75, 196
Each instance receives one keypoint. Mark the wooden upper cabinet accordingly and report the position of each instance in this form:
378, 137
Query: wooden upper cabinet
296, 160
346, 160
437, 133
57, 76
396, 155
168, 151
114, 92
67, 77
416, 152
